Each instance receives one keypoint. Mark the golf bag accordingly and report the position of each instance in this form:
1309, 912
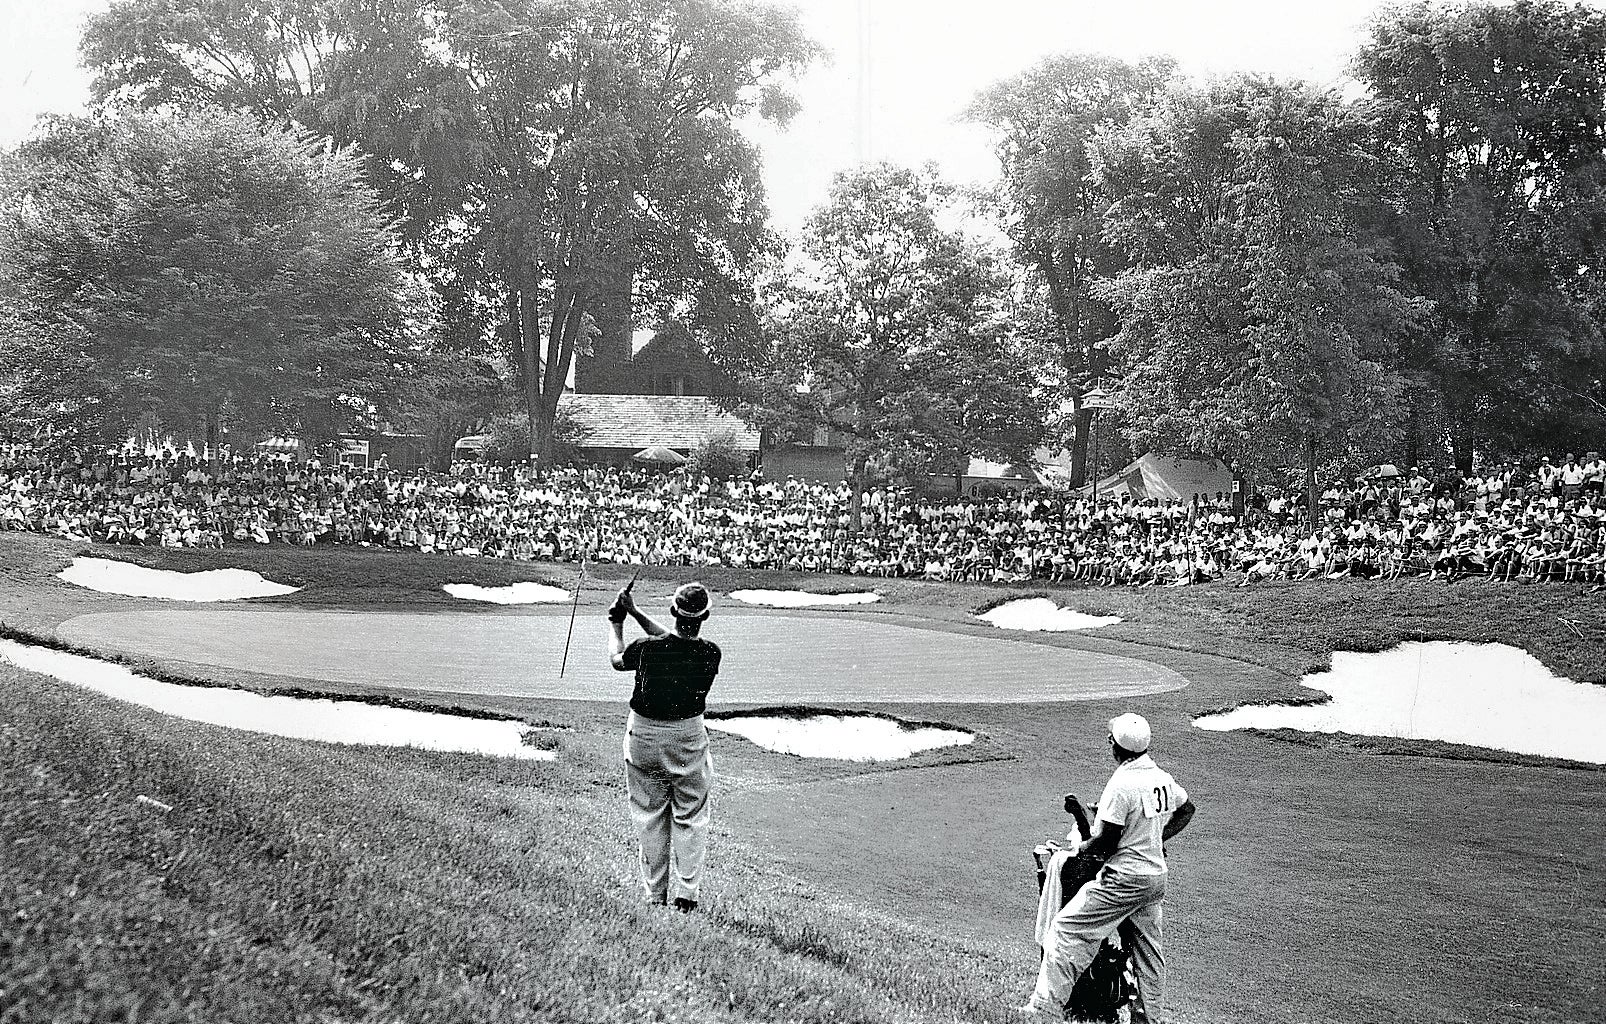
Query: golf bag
1108, 984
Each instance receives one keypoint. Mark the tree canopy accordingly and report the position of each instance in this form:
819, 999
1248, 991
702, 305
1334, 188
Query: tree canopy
1052, 207
1260, 321
1494, 120
561, 163
892, 335
201, 269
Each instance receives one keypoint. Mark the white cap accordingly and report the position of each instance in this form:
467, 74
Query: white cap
1131, 732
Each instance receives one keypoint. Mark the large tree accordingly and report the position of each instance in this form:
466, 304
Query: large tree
1260, 322
1051, 206
1495, 121
200, 269
891, 333
564, 164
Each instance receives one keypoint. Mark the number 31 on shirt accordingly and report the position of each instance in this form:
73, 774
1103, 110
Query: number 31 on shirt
1157, 801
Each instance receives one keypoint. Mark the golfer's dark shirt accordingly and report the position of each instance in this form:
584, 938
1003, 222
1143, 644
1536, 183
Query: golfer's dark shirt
673, 675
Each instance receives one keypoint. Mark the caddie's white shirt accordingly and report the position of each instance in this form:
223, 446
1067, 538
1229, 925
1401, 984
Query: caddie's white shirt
1140, 797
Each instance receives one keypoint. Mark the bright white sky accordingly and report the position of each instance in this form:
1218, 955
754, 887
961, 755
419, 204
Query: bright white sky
921, 62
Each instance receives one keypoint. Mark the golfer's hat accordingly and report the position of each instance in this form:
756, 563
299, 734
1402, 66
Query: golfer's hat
691, 602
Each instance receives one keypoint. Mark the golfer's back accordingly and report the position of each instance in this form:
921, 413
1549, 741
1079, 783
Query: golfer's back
673, 675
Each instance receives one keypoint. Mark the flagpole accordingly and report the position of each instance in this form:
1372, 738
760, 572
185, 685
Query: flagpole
572, 612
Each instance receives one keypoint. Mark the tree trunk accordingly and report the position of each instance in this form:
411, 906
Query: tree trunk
569, 304
1413, 436
524, 325
544, 440
1080, 435
856, 471
211, 441
1311, 495
1461, 446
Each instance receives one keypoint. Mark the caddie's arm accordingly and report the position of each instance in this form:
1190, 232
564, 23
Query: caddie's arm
1179, 820
1105, 838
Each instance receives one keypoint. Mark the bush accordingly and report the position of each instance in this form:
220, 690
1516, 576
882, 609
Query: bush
507, 441
718, 458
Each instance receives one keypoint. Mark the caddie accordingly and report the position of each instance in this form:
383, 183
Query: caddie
668, 769
1142, 807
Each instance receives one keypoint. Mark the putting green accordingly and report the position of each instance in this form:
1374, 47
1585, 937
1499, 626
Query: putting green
767, 658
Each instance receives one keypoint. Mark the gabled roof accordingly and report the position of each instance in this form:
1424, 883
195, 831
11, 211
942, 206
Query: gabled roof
640, 421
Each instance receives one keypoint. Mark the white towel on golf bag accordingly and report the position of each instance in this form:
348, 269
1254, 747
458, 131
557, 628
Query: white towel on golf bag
1048, 904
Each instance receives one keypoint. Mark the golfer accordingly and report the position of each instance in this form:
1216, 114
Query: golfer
668, 769
1142, 806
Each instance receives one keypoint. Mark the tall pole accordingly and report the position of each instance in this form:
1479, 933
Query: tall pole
1092, 442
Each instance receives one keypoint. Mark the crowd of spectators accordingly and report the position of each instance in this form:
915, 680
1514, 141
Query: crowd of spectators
1508, 522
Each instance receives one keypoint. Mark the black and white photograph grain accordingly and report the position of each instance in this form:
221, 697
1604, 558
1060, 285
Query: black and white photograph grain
802, 511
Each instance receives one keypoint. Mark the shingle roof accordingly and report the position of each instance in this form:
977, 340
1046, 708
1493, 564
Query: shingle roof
638, 421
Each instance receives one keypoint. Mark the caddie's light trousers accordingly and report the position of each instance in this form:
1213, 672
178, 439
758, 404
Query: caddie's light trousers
1085, 922
668, 770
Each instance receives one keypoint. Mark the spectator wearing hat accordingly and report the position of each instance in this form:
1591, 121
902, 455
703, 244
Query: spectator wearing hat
668, 769
1142, 806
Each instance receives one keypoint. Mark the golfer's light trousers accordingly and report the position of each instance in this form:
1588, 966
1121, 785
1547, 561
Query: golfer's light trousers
1085, 922
668, 770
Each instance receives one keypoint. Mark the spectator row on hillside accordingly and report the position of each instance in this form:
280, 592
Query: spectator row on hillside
1506, 522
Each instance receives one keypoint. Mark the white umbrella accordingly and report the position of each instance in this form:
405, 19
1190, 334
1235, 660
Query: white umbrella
659, 453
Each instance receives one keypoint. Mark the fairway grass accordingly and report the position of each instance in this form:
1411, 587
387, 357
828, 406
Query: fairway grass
1327, 878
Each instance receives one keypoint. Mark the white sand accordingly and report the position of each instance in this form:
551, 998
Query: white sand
841, 737
335, 721
517, 593
1040, 614
801, 598
111, 577
1485, 695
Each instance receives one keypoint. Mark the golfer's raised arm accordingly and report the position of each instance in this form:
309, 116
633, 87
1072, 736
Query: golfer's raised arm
617, 611
650, 625
616, 643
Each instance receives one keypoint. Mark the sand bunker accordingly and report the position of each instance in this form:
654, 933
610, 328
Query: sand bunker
801, 598
517, 593
841, 737
111, 577
1485, 695
1042, 615
334, 721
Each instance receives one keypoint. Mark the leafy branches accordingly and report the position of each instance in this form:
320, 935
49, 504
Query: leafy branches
1263, 327
202, 270
892, 336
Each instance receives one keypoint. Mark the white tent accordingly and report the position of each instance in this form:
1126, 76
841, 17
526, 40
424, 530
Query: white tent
1164, 478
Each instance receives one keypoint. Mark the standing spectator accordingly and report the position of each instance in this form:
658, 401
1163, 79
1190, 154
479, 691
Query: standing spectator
1572, 478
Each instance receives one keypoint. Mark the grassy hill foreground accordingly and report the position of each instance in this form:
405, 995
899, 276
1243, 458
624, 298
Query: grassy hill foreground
306, 882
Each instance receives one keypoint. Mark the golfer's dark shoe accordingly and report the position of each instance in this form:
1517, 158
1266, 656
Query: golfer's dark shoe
684, 905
